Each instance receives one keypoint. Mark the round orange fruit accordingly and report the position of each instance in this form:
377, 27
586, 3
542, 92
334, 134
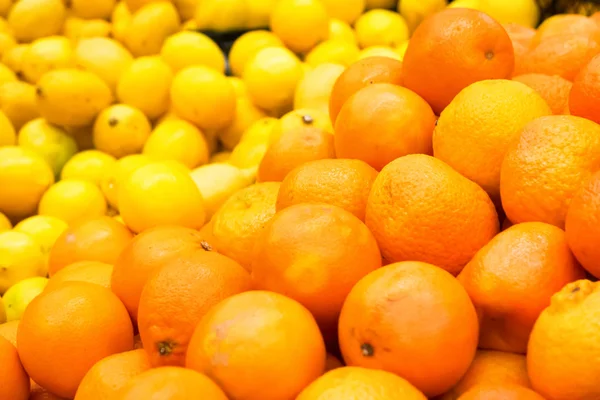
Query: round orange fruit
500, 392
413, 319
14, 382
584, 99
554, 89
95, 272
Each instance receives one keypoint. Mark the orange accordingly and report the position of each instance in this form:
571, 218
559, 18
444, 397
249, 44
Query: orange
561, 55
413, 319
343, 183
584, 99
8, 331
172, 383
564, 25
95, 272
452, 49
14, 382
65, 331
178, 295
355, 383
332, 362
382, 122
421, 209
40, 393
498, 392
554, 89
110, 374
544, 168
476, 129
143, 255
521, 37
512, 278
95, 239
237, 224
360, 74
258, 346
491, 367
315, 254
563, 355
294, 148
583, 226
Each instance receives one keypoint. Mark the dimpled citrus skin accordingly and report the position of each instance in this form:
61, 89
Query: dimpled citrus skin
584, 99
421, 209
563, 355
14, 382
512, 278
544, 168
356, 383
500, 392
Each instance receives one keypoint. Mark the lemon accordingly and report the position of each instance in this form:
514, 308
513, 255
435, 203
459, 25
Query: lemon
120, 18
474, 4
177, 140
190, 25
345, 10
371, 4
105, 57
204, 97
340, 30
13, 57
248, 154
246, 46
44, 229
17, 297
21, 257
24, 177
50, 142
135, 5
381, 28
88, 165
217, 182
239, 86
297, 119
72, 97
314, 90
333, 51
6, 74
522, 12
7, 42
222, 15
146, 85
300, 24
73, 199
186, 8
78, 28
149, 27
271, 77
112, 179
34, 19
379, 51
18, 103
92, 9
46, 54
415, 11
185, 49
5, 224
220, 157
121, 130
8, 136
160, 193
260, 131
5, 6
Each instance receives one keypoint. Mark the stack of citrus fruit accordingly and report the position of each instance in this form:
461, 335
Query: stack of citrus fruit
364, 200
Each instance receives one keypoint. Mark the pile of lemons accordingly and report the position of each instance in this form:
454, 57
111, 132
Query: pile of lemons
124, 108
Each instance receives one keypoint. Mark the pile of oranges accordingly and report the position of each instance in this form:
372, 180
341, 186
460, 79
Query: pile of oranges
352, 216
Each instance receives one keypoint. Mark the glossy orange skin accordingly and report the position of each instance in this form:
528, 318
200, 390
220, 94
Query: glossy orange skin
8, 331
546, 166
491, 367
583, 225
413, 319
272, 345
173, 383
512, 278
452, 49
292, 149
382, 122
344, 183
145, 253
554, 89
14, 382
177, 296
98, 239
584, 100
421, 209
315, 254
521, 37
110, 374
362, 73
83, 271
500, 392
65, 331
